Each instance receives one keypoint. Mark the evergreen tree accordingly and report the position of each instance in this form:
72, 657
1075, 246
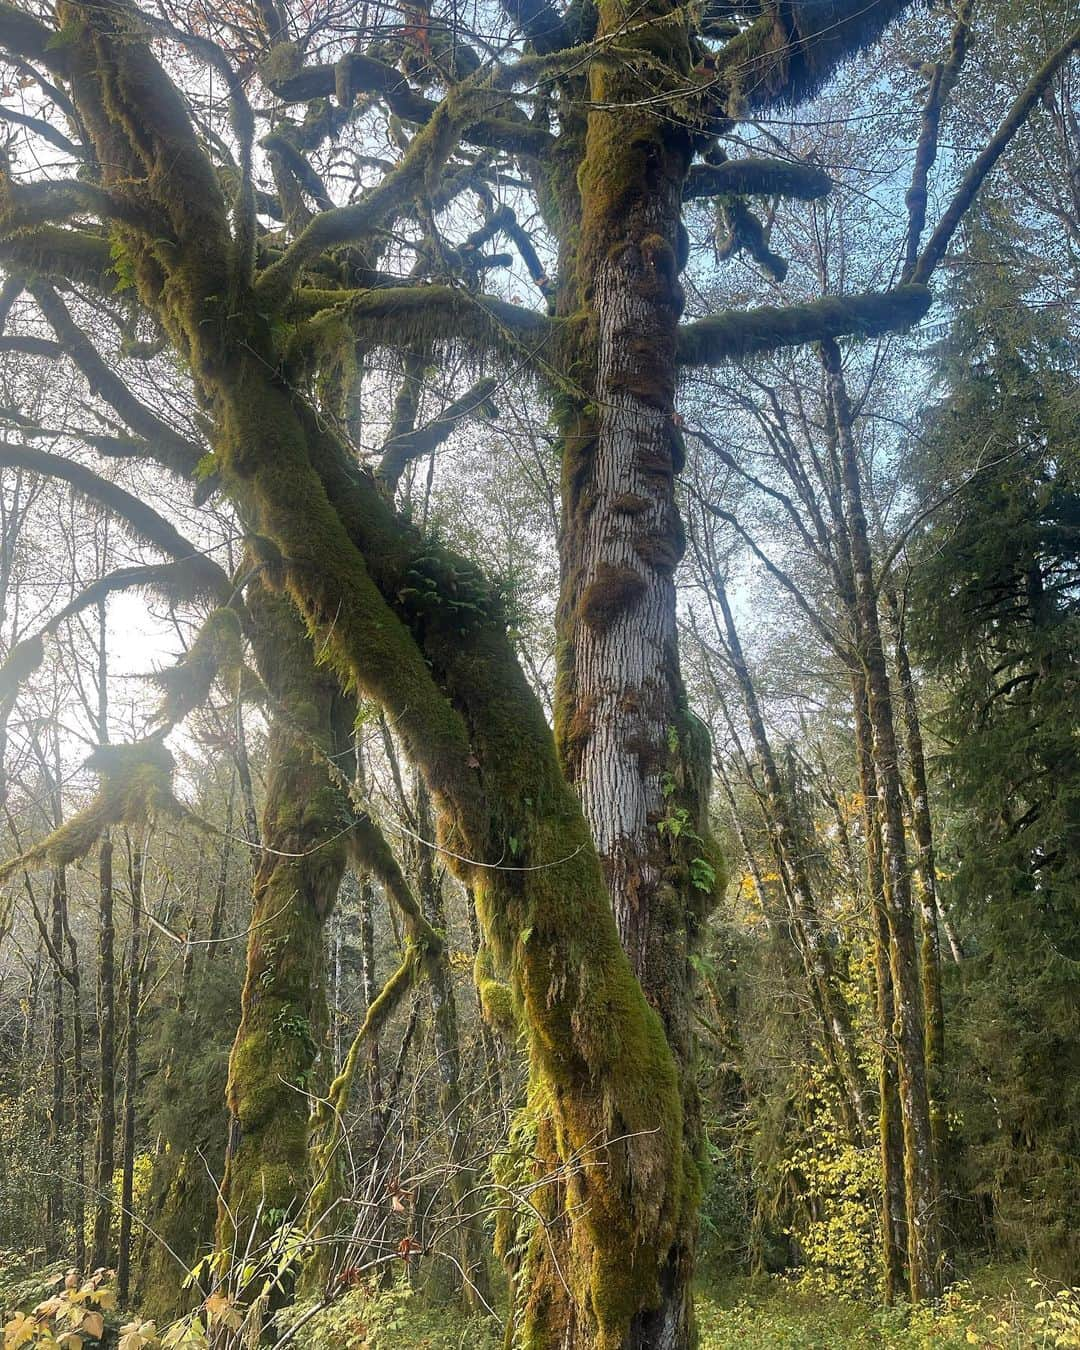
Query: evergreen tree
997, 617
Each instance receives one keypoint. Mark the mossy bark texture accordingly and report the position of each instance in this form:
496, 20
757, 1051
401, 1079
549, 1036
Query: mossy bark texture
305, 822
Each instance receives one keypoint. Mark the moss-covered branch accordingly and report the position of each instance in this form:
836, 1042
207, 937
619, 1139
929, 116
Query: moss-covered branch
75, 256
136, 787
425, 156
789, 53
359, 73
757, 178
943, 77
739, 334
24, 206
541, 23
405, 316
23, 35
984, 162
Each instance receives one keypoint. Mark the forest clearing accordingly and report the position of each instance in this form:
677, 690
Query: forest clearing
539, 668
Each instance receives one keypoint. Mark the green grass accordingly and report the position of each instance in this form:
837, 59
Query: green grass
998, 1309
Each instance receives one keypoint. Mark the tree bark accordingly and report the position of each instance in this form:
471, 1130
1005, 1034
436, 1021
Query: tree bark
926, 876
890, 1130
131, 1073
627, 740
455, 1112
104, 1161
283, 1006
57, 1056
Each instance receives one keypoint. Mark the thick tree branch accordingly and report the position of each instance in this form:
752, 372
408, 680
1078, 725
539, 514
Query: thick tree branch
152, 528
23, 35
757, 178
80, 257
541, 23
739, 334
403, 316
943, 77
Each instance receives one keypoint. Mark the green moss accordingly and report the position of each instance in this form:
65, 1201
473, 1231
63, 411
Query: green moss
22, 661
612, 592
136, 787
216, 653
735, 336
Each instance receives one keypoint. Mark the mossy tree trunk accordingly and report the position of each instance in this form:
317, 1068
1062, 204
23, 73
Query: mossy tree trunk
456, 1112
925, 872
58, 1059
416, 628
627, 739
890, 1133
106, 1012
137, 863
305, 820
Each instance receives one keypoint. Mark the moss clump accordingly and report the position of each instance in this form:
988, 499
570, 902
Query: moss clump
496, 999
23, 659
217, 652
281, 63
136, 786
612, 591
657, 552
629, 504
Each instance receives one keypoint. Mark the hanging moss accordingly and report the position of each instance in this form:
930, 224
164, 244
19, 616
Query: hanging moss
22, 661
136, 787
216, 653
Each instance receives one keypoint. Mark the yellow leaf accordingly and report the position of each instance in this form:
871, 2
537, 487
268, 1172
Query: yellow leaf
105, 1299
18, 1332
93, 1324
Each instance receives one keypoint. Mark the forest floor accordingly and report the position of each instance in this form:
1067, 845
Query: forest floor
999, 1308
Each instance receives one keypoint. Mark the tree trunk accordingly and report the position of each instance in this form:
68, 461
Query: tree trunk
57, 1053
626, 737
106, 1014
456, 1114
78, 1095
131, 1071
283, 1007
369, 983
890, 1129
926, 888
923, 1217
